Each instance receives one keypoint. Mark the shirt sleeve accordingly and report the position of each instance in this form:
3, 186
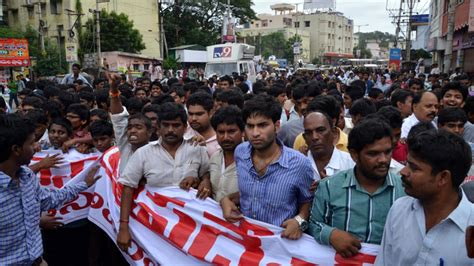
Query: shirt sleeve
204, 166
134, 170
55, 198
304, 195
120, 123
320, 215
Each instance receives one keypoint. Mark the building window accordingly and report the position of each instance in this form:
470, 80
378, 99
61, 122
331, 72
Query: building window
329, 36
136, 67
329, 24
265, 23
458, 2
146, 66
55, 7
15, 16
287, 22
297, 24
307, 23
256, 25
329, 48
31, 12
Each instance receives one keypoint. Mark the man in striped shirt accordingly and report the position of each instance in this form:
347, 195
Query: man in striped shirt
274, 180
351, 206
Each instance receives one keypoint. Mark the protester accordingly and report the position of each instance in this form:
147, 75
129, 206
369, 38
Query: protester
425, 108
351, 206
436, 212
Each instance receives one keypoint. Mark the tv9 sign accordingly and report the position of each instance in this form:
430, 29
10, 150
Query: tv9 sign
222, 52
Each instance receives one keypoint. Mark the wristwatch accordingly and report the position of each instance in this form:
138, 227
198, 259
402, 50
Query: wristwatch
302, 222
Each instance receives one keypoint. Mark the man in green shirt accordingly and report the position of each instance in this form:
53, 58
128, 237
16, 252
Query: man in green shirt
13, 93
351, 206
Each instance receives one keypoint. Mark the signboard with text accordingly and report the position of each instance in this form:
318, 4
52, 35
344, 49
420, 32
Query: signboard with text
14, 52
395, 59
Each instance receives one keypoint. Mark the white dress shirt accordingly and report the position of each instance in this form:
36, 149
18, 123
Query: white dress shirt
406, 242
408, 123
339, 161
120, 123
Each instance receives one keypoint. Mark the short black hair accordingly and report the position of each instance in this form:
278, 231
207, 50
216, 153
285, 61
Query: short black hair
363, 107
244, 88
86, 95
155, 108
375, 92
50, 91
178, 89
34, 101
366, 132
264, 105
392, 115
171, 111
61, 121
469, 105
76, 65
68, 98
79, 109
101, 128
443, 151
201, 98
354, 92
232, 97
228, 79
326, 104
134, 105
276, 90
162, 98
419, 128
400, 95
229, 115
37, 117
455, 86
415, 81
299, 92
141, 117
102, 114
418, 96
14, 130
452, 114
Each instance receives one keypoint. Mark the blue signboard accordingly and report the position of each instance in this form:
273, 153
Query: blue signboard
395, 54
423, 18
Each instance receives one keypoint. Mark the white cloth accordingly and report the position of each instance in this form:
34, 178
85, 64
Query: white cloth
339, 161
69, 79
160, 169
409, 122
406, 242
120, 123
395, 166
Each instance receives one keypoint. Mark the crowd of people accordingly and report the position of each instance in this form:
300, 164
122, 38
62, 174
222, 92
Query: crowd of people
348, 157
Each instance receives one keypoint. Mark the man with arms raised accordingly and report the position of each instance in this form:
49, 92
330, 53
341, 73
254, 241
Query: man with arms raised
274, 180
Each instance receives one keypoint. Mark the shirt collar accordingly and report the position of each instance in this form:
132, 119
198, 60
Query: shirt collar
283, 160
4, 180
460, 215
352, 180
335, 161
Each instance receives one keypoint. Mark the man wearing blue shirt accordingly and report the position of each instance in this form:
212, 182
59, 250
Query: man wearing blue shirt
22, 198
274, 180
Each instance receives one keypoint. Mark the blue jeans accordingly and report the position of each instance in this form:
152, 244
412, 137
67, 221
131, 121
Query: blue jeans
13, 97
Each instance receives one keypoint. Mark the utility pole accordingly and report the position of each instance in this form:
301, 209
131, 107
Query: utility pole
41, 28
358, 27
449, 37
410, 4
97, 27
160, 28
397, 32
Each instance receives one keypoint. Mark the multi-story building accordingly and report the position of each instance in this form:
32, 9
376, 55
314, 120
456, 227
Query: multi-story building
330, 33
58, 17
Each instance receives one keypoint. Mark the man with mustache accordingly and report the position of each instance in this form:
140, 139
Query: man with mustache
229, 127
428, 226
350, 207
425, 108
274, 180
169, 161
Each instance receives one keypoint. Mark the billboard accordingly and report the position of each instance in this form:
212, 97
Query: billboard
395, 59
319, 4
14, 52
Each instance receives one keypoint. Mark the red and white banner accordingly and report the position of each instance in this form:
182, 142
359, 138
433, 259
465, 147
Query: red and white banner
172, 226
74, 169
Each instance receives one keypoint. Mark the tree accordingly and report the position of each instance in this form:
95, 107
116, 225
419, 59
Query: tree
200, 22
289, 55
118, 34
364, 52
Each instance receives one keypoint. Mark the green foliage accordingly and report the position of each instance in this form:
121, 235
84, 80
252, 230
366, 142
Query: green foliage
383, 37
170, 63
117, 34
200, 22
289, 48
7, 32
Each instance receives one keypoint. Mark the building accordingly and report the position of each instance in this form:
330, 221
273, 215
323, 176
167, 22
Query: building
463, 36
330, 33
355, 40
377, 52
57, 16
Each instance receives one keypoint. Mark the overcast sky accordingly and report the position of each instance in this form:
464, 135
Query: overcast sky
372, 12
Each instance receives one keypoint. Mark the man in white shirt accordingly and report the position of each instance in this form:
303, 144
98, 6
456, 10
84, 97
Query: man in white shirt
425, 108
75, 75
428, 227
319, 133
170, 161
